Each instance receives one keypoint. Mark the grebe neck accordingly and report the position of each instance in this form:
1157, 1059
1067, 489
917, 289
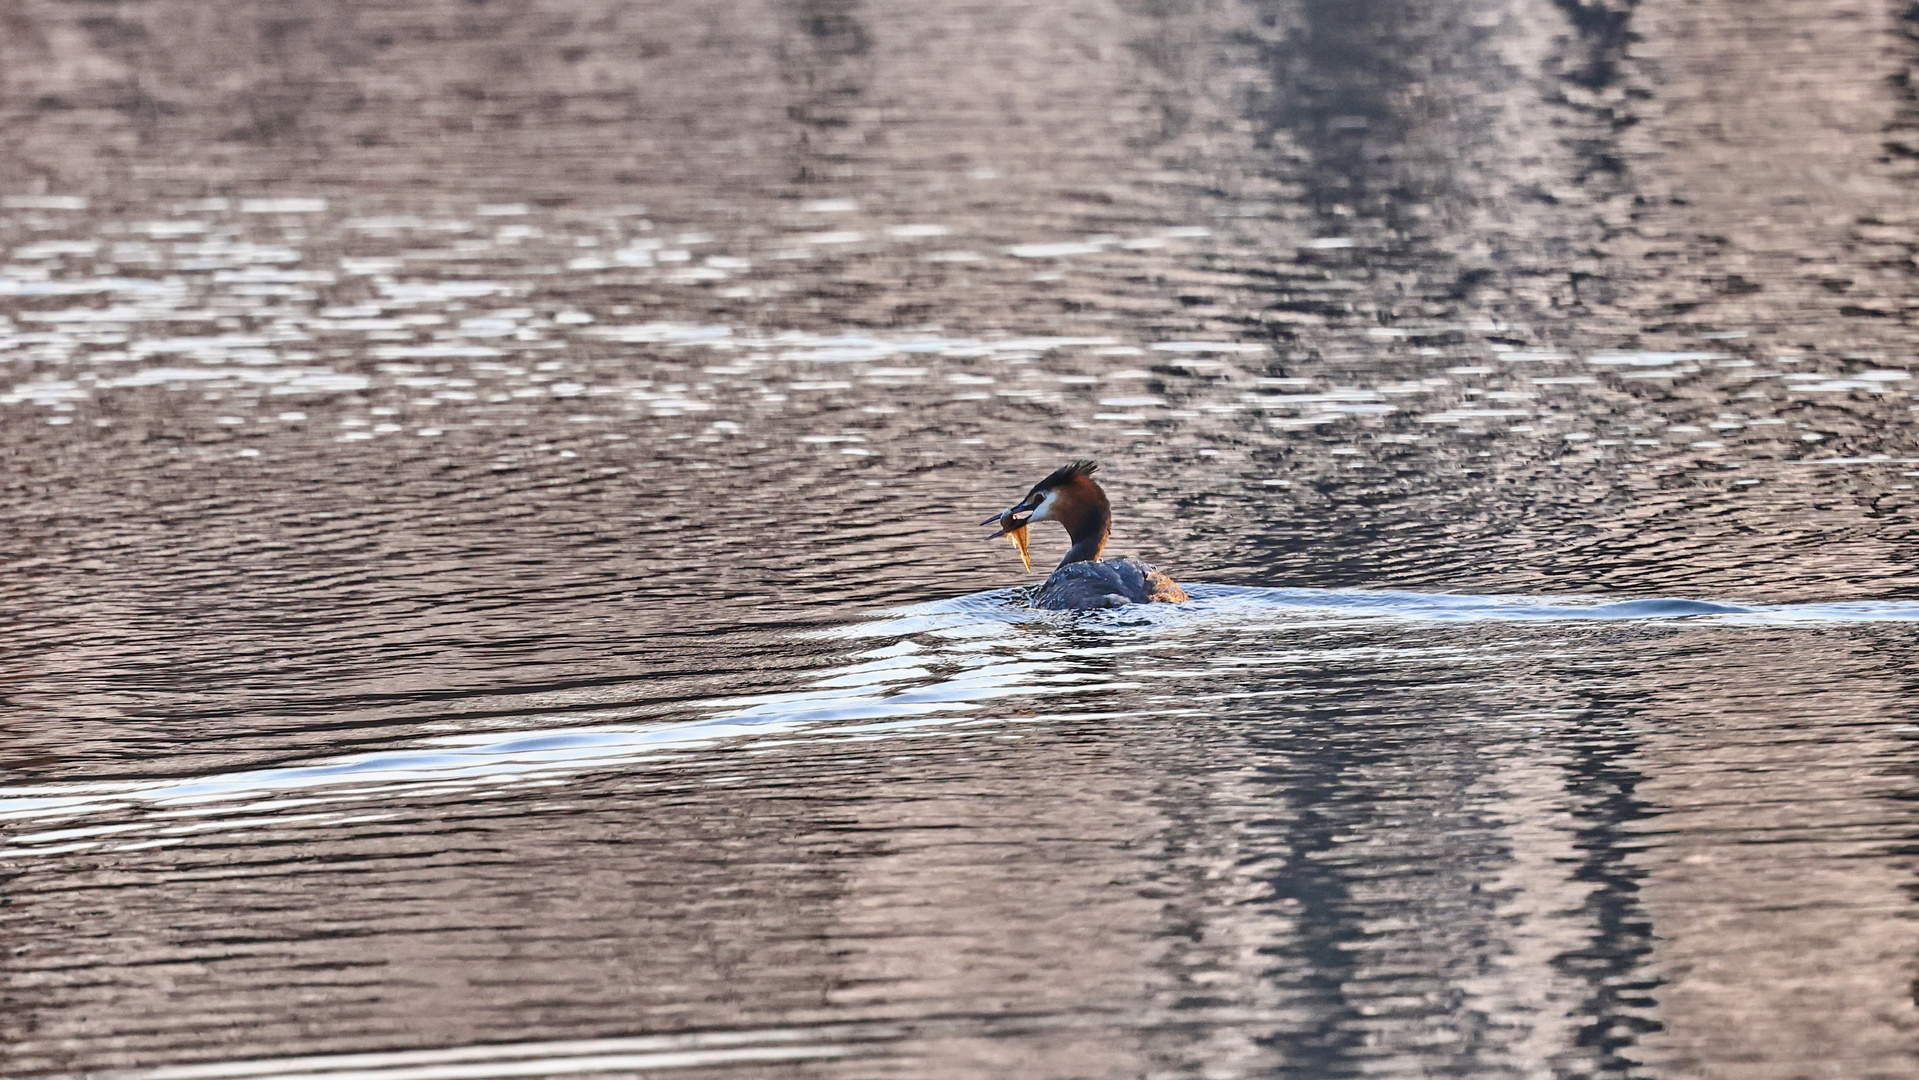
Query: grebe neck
1090, 531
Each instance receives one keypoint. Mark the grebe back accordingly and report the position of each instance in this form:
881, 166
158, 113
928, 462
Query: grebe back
1082, 579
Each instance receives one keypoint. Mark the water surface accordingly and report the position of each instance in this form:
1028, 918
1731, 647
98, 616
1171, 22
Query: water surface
493, 585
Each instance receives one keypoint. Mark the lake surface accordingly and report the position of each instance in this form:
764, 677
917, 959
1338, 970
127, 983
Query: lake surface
494, 587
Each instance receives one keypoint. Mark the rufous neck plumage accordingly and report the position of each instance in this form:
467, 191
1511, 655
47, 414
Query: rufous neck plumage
1082, 508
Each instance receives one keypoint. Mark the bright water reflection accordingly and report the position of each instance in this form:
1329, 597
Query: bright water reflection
1272, 828
493, 587
979, 649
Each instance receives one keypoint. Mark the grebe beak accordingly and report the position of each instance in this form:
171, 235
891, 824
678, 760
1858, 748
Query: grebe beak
1005, 518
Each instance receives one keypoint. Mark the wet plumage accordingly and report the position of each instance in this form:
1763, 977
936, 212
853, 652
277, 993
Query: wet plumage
1106, 583
1083, 580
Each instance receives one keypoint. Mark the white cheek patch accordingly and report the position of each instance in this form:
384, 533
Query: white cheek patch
1044, 511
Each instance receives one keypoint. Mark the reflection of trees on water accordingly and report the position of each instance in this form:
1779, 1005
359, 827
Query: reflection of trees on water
1429, 870
826, 65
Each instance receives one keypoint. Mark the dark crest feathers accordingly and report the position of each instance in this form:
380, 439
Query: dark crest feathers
1066, 474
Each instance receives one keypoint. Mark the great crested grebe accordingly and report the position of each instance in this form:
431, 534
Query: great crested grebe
1082, 579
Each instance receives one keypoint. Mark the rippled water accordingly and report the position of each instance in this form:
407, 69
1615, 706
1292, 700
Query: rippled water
494, 587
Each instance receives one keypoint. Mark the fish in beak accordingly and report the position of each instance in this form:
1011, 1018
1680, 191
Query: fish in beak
1013, 523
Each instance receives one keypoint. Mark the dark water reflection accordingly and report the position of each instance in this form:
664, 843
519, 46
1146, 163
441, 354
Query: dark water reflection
493, 589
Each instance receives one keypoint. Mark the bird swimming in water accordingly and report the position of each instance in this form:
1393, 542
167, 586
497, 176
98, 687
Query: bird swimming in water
1082, 579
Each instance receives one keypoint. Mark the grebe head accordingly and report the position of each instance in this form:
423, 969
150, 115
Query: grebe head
1070, 497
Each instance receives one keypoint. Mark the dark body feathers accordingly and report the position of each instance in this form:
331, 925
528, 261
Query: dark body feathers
1104, 584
